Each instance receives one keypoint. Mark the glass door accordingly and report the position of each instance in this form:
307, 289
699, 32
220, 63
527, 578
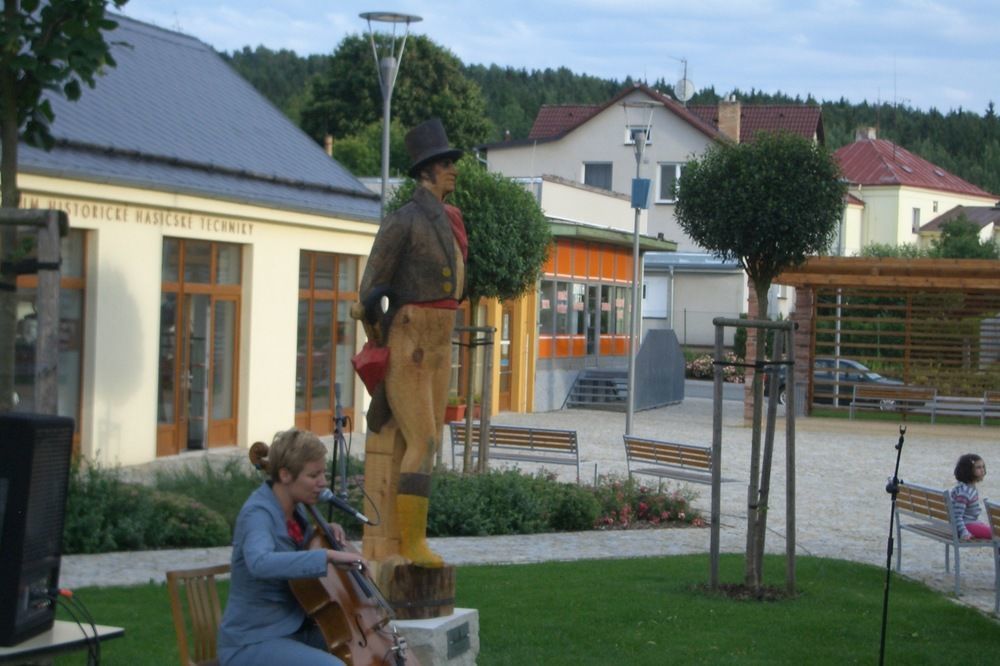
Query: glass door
324, 377
199, 333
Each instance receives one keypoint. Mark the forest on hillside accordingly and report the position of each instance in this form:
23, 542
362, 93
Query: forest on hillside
965, 142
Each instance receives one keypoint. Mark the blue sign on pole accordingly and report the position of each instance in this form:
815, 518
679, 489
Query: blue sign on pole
640, 193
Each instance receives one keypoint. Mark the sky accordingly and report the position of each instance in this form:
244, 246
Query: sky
917, 53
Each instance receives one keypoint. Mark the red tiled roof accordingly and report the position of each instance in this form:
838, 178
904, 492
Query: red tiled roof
806, 121
881, 162
554, 120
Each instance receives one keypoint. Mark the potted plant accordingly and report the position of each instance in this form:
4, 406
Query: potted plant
455, 411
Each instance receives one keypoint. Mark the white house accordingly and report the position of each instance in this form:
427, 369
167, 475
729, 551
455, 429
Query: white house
898, 193
594, 145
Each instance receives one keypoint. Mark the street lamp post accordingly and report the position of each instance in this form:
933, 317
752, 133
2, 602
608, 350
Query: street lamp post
638, 132
388, 69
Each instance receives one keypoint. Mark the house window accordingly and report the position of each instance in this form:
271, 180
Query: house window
935, 208
668, 175
916, 220
597, 174
631, 132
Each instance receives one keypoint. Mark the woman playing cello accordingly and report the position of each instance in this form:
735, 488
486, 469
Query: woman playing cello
263, 622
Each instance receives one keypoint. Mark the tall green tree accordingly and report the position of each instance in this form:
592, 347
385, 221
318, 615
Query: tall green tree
345, 98
959, 239
767, 204
46, 47
513, 96
361, 153
282, 76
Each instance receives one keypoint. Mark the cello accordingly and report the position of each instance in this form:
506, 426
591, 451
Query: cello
350, 611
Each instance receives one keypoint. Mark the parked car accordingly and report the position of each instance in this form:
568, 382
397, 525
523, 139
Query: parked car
830, 380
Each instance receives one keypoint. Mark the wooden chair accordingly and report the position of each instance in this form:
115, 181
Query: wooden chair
201, 621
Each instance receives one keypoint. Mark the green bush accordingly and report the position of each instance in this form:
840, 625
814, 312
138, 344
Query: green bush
507, 502
573, 508
223, 488
105, 514
740, 339
181, 522
197, 507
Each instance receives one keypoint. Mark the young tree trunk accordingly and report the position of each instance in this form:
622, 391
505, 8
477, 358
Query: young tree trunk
753, 568
470, 359
765, 473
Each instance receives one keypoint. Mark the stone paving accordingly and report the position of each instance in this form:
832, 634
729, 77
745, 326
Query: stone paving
842, 509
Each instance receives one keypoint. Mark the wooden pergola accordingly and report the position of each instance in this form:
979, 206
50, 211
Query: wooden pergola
896, 274
927, 321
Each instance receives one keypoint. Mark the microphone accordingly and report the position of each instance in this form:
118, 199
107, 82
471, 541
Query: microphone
329, 497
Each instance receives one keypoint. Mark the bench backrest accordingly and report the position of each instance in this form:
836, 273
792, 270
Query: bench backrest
993, 517
517, 436
883, 392
667, 453
924, 502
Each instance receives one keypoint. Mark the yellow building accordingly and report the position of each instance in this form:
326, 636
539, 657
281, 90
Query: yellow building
213, 255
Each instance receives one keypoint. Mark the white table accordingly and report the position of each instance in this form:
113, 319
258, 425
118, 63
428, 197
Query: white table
63, 637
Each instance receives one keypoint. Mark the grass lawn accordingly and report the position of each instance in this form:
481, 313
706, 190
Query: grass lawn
649, 611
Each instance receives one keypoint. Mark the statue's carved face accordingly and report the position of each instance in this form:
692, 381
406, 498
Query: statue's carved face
440, 178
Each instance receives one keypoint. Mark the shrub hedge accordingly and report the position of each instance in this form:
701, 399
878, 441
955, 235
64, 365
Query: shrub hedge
198, 507
105, 514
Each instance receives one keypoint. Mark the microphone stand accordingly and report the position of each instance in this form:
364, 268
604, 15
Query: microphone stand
338, 462
892, 487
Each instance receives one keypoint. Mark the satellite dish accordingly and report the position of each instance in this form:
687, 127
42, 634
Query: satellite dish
684, 90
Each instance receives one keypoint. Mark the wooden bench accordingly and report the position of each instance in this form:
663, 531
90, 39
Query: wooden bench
668, 460
546, 446
993, 520
953, 405
889, 398
928, 513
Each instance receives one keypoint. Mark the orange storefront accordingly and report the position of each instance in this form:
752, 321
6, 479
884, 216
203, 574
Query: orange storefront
579, 317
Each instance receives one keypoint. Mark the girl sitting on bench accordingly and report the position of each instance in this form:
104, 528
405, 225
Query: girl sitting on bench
969, 471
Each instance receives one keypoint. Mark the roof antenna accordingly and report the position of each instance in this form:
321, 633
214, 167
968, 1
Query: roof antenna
684, 89
895, 107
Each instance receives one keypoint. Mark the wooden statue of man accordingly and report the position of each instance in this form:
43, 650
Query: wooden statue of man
417, 264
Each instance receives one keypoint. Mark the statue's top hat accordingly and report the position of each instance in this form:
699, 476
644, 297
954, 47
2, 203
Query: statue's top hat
428, 141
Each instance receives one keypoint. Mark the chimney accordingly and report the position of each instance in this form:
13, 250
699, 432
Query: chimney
328, 144
865, 134
729, 118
